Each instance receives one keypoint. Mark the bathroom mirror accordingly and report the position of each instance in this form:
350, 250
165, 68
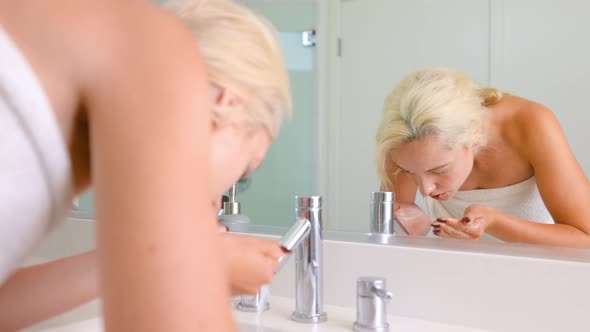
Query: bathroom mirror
364, 47
344, 56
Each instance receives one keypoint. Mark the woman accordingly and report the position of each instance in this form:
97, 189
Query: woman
114, 93
487, 163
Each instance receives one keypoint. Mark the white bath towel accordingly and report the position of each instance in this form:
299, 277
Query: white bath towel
521, 200
35, 170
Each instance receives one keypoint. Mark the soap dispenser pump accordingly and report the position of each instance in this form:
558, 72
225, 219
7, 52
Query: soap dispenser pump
231, 217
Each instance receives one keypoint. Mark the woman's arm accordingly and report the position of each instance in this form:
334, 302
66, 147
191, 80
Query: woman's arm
415, 221
149, 116
479, 219
562, 184
512, 229
36, 293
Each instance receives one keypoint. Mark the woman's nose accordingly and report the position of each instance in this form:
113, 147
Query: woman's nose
426, 187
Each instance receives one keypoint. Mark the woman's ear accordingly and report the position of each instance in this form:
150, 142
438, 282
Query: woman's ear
223, 101
228, 99
223, 97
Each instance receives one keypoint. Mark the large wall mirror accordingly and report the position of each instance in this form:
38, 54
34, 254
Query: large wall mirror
355, 52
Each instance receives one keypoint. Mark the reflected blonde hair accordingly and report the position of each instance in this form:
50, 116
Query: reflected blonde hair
242, 55
436, 101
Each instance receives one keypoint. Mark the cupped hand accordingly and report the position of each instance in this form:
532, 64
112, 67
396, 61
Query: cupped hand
475, 222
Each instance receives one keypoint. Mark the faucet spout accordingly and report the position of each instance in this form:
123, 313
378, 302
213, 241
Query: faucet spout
309, 263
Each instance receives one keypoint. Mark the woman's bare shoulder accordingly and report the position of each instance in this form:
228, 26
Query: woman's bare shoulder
77, 47
75, 40
523, 120
519, 118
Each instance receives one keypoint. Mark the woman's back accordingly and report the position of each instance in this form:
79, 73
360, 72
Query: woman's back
107, 70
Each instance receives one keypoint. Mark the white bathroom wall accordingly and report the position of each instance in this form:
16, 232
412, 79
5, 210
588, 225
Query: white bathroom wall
544, 55
381, 41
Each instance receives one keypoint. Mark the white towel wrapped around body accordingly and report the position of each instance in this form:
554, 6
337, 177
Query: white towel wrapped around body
35, 167
521, 200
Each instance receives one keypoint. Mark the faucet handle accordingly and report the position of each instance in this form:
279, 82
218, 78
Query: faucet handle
295, 235
372, 296
381, 293
370, 286
292, 239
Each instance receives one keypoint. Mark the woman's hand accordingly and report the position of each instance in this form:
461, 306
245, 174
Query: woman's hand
476, 220
250, 262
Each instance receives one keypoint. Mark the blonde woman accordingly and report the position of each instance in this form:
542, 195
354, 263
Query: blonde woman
116, 94
487, 163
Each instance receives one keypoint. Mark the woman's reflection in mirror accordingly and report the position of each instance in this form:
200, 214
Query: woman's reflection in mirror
488, 164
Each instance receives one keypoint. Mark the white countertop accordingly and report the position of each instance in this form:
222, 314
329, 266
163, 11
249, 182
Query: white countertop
443, 285
278, 319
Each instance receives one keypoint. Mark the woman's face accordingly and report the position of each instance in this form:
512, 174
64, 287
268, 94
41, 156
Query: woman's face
236, 150
437, 169
235, 153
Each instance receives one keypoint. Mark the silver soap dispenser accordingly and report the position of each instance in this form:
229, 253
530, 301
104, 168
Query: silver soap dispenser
231, 216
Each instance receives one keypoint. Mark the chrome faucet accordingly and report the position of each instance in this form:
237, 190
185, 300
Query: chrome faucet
309, 263
304, 237
382, 218
289, 242
253, 303
372, 296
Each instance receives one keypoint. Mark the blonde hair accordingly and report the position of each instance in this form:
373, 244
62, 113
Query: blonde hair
242, 55
437, 102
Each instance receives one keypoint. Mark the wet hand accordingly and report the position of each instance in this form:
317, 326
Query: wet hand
475, 222
250, 262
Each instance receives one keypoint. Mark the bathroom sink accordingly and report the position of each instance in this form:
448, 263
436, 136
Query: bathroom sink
95, 325
278, 319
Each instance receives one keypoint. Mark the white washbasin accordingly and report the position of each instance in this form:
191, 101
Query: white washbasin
255, 328
278, 319
95, 325
340, 319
